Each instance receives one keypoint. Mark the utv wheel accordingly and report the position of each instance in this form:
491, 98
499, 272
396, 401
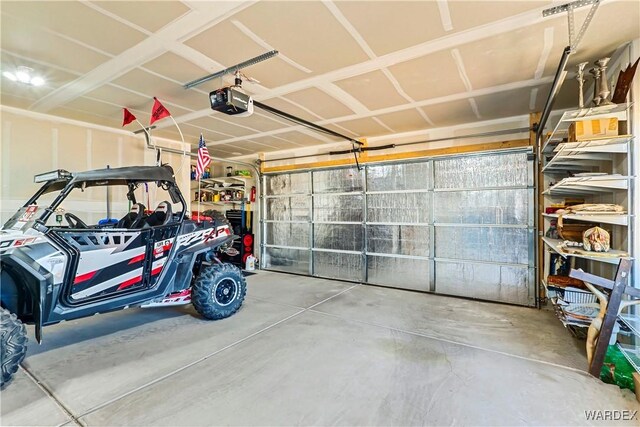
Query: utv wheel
218, 291
13, 345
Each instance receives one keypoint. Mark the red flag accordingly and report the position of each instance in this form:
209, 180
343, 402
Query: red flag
128, 117
158, 111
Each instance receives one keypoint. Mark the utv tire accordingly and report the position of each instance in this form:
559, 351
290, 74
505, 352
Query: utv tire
218, 291
13, 345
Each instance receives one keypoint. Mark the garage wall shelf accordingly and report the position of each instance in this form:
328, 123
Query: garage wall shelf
588, 185
586, 154
561, 130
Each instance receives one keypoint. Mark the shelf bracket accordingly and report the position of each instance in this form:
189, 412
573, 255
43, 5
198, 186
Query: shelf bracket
574, 39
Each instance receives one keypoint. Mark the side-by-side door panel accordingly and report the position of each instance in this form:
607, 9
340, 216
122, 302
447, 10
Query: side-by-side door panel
108, 262
163, 238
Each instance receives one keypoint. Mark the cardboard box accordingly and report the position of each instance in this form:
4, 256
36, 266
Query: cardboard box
584, 130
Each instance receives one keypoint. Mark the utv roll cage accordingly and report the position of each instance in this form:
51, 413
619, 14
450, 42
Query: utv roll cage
131, 176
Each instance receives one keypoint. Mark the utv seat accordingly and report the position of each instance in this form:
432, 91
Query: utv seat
161, 216
134, 218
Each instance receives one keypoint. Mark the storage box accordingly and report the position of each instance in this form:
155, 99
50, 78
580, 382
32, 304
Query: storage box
584, 130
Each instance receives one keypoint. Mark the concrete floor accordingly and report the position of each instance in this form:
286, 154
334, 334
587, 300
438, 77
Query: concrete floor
313, 352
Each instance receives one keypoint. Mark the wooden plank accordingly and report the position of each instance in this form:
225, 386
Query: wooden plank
473, 148
591, 278
610, 318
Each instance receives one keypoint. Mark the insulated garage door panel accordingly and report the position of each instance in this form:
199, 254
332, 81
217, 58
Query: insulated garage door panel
482, 171
297, 208
287, 183
335, 265
399, 208
492, 244
288, 234
406, 176
344, 237
406, 273
398, 240
491, 282
289, 260
482, 207
337, 208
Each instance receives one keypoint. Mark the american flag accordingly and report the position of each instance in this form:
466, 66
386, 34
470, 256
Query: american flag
203, 158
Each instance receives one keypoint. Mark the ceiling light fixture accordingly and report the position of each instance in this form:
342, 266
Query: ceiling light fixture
23, 75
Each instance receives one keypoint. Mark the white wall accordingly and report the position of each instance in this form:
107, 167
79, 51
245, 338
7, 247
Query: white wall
33, 143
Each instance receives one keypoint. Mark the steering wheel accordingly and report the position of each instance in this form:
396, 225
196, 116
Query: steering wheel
74, 221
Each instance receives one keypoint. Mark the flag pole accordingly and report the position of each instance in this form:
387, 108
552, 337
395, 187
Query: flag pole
199, 196
184, 151
147, 132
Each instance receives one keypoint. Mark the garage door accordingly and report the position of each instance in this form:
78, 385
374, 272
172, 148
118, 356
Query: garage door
459, 225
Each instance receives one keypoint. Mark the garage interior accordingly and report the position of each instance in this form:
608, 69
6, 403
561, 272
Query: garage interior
434, 205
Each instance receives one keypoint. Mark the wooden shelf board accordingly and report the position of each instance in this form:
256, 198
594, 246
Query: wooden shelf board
615, 219
554, 245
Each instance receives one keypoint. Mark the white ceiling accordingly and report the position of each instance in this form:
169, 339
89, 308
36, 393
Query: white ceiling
362, 68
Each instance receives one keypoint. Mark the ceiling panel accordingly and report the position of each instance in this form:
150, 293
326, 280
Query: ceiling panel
373, 89
466, 14
150, 15
253, 148
230, 150
429, 76
143, 82
302, 139
114, 95
76, 21
307, 33
504, 104
450, 113
276, 142
206, 125
221, 125
176, 67
388, 26
209, 136
22, 100
271, 73
85, 116
191, 99
260, 122
26, 39
320, 103
94, 107
365, 127
285, 105
498, 60
406, 120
